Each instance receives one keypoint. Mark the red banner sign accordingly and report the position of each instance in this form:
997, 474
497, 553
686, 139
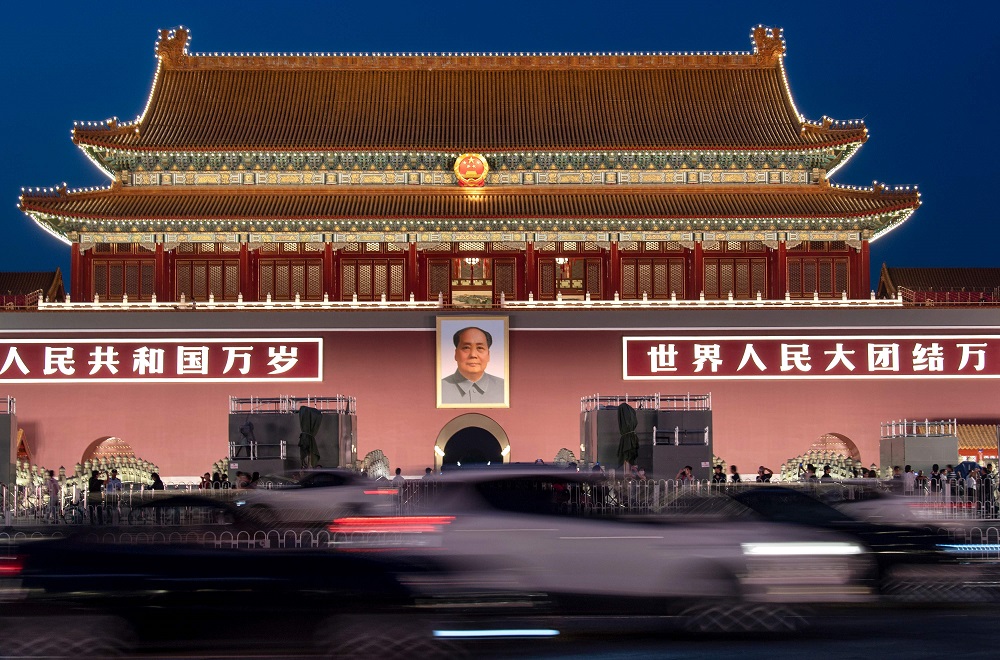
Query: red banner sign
161, 360
811, 357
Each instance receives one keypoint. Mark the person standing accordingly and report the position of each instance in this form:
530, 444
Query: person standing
95, 498
114, 485
734, 475
156, 485
53, 490
764, 474
909, 480
399, 479
113, 489
718, 477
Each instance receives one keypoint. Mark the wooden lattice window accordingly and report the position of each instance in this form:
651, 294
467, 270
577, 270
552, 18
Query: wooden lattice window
657, 277
284, 278
197, 278
547, 279
593, 278
741, 277
438, 279
628, 279
504, 278
370, 278
827, 277
113, 279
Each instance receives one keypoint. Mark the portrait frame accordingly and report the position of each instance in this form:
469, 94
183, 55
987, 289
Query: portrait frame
499, 362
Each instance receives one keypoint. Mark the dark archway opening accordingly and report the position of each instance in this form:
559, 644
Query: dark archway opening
471, 446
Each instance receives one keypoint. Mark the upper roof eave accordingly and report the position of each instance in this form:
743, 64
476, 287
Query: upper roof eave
510, 203
763, 106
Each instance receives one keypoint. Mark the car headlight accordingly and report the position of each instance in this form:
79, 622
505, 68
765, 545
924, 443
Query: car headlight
799, 549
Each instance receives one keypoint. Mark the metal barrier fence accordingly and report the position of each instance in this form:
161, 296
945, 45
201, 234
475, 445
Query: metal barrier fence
986, 538
952, 500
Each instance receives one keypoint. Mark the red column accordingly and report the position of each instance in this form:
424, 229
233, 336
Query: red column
329, 277
531, 270
864, 279
245, 270
615, 271
697, 272
159, 273
772, 274
411, 284
782, 283
170, 274
75, 273
87, 268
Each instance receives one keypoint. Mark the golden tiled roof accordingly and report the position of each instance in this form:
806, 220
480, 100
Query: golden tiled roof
508, 204
461, 102
976, 436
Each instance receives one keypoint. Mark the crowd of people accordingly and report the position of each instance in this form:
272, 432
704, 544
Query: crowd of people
220, 481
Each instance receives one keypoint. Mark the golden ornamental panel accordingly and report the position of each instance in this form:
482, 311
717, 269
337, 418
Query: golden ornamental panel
208, 178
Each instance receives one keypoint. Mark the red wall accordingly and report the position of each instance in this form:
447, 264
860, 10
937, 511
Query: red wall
183, 427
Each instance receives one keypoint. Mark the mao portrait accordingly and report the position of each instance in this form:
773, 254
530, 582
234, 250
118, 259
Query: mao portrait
472, 362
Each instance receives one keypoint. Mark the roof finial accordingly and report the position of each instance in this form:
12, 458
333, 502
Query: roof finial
768, 43
172, 44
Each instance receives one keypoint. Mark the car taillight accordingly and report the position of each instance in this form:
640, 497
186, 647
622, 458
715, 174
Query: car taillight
389, 524
11, 566
383, 491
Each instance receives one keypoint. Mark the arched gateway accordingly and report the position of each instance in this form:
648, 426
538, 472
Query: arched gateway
470, 439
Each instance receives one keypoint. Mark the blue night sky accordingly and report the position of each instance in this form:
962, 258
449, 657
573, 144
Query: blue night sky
923, 77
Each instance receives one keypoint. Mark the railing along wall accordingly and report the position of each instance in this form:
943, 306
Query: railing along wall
20, 302
954, 296
284, 404
99, 304
937, 509
647, 401
951, 500
914, 428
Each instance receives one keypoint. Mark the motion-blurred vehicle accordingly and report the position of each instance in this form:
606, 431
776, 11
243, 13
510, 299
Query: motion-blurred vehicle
191, 511
911, 560
311, 498
509, 534
82, 598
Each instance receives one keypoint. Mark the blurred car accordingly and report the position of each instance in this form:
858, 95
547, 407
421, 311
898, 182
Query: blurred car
912, 560
78, 597
515, 533
191, 511
311, 498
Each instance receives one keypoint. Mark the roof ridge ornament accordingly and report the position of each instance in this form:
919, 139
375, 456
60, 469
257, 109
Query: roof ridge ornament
768, 44
173, 44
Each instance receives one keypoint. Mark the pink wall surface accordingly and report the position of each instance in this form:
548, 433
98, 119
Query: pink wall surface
182, 427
